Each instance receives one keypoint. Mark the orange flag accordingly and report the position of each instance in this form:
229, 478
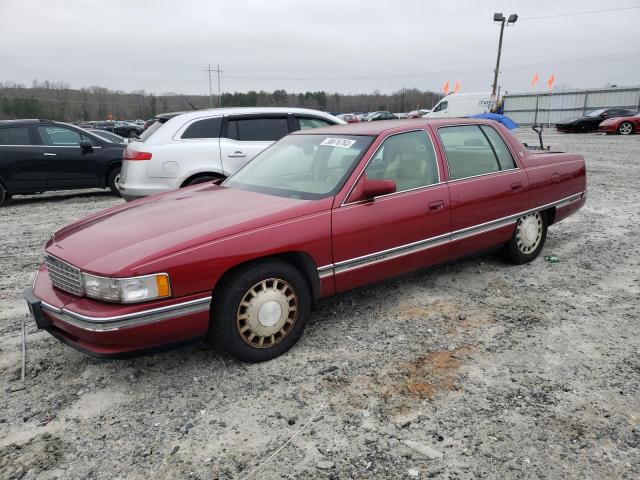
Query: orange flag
445, 88
552, 79
535, 79
456, 87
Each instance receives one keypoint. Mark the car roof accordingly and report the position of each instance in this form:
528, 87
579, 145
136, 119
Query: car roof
383, 126
245, 111
24, 121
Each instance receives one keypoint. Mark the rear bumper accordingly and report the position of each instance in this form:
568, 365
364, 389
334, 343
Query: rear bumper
134, 182
150, 327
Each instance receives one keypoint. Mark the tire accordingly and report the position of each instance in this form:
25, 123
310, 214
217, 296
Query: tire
528, 238
261, 310
583, 127
200, 179
625, 128
4, 196
112, 180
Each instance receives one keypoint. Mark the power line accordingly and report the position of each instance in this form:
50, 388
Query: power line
568, 61
571, 14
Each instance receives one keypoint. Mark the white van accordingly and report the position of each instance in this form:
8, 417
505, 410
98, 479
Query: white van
461, 105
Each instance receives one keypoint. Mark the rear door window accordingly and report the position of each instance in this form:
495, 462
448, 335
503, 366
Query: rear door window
500, 148
15, 136
468, 151
207, 128
262, 129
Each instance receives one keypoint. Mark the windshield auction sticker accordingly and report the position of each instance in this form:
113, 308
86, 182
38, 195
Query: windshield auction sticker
338, 142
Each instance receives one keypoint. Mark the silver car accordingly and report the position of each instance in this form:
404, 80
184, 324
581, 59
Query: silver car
205, 145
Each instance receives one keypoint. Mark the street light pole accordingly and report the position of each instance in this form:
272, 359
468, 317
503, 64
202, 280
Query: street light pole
498, 17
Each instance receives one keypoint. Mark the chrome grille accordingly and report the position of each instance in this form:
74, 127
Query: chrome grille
64, 276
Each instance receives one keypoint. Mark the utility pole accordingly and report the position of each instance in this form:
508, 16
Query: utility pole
217, 71
219, 92
210, 94
498, 17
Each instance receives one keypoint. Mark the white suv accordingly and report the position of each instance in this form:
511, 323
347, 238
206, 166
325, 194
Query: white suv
206, 145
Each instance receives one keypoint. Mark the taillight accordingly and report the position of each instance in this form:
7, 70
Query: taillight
135, 155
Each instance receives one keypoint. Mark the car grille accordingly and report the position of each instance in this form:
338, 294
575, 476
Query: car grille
64, 276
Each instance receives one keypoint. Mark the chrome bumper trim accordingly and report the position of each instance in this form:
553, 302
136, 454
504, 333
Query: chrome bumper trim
103, 324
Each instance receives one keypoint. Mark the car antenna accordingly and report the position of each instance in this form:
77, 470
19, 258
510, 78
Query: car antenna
190, 104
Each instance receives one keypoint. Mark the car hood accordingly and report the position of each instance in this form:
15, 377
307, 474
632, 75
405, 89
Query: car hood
613, 121
115, 241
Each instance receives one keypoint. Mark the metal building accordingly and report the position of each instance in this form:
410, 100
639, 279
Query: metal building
548, 108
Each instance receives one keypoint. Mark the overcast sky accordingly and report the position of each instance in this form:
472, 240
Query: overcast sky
333, 45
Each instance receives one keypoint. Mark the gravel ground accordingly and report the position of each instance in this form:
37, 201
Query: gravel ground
478, 369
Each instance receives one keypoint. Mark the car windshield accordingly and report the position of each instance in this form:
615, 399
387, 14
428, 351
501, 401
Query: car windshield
595, 113
306, 167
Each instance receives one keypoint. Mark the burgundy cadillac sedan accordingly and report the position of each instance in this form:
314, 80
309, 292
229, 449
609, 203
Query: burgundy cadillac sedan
319, 212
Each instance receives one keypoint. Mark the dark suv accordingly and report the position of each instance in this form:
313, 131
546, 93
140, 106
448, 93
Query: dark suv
41, 155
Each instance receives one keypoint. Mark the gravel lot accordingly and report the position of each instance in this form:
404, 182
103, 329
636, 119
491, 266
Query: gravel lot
496, 371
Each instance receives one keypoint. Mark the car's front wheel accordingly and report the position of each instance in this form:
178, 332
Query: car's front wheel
583, 127
260, 311
528, 238
4, 196
625, 128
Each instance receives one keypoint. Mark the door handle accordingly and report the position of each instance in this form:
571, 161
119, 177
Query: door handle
555, 177
437, 205
516, 187
47, 154
237, 154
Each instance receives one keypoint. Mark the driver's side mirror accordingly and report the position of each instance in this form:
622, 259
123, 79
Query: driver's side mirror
605, 114
86, 146
369, 188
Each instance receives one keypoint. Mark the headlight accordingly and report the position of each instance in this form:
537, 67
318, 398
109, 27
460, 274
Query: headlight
126, 290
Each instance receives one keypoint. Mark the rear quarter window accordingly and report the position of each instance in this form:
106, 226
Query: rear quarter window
207, 128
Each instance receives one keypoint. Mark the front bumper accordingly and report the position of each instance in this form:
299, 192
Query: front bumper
607, 128
115, 330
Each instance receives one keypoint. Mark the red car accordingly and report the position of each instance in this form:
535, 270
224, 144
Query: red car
621, 125
247, 260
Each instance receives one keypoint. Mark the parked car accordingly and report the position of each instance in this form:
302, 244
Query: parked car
246, 260
207, 145
119, 128
621, 125
456, 105
375, 116
349, 118
40, 155
590, 122
108, 136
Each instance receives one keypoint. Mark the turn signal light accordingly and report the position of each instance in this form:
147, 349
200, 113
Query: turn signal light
162, 286
135, 155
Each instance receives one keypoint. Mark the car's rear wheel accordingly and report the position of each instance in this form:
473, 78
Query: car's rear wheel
260, 311
625, 128
113, 179
528, 238
200, 179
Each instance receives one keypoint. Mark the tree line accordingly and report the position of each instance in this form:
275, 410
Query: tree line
57, 101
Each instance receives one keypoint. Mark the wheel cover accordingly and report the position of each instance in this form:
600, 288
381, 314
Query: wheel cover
529, 232
116, 182
626, 128
267, 313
